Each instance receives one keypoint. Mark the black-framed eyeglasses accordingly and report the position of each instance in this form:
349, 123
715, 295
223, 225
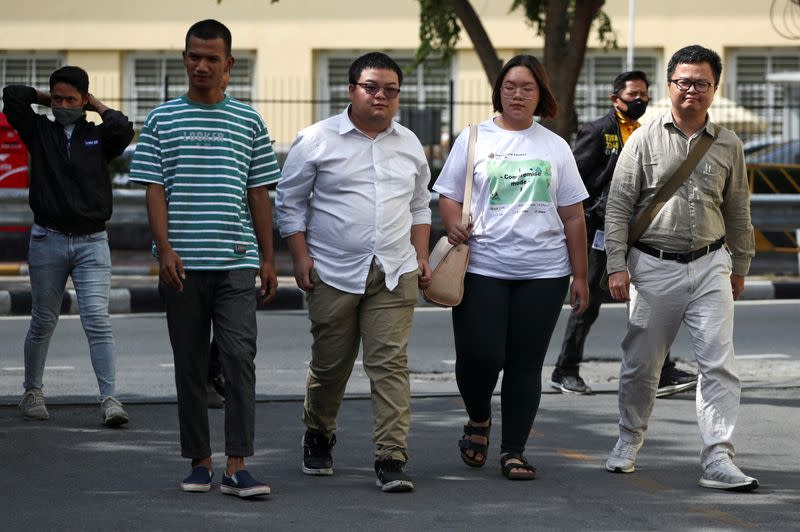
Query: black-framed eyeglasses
370, 88
700, 85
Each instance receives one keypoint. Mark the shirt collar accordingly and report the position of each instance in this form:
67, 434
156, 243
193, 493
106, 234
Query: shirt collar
346, 125
710, 127
622, 119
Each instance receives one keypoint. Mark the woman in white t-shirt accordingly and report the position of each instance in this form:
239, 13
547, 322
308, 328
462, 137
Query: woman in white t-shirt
527, 235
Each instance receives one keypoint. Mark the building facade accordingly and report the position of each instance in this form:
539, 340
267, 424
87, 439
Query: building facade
292, 56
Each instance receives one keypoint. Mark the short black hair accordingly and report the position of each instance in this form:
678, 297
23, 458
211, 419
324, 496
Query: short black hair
631, 75
547, 107
72, 75
376, 60
694, 55
211, 29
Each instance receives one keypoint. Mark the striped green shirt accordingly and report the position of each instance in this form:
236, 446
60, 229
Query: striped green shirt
206, 157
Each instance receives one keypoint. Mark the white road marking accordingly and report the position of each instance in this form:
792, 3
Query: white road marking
167, 365
449, 362
46, 368
763, 356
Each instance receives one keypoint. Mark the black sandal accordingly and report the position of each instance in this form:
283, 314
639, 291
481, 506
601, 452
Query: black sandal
508, 468
465, 444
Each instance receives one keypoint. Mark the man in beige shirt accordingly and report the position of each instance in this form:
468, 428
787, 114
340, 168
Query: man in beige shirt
688, 267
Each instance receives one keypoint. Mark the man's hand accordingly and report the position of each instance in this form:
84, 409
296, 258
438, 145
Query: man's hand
579, 296
269, 281
737, 284
93, 104
170, 269
619, 284
425, 274
43, 98
302, 272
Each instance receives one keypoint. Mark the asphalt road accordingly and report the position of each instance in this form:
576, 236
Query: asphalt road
70, 474
766, 339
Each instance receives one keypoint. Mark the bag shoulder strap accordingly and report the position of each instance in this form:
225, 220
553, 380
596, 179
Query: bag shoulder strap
670, 187
466, 217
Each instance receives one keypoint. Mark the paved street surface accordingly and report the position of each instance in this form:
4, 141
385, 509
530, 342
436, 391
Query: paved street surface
767, 349
71, 474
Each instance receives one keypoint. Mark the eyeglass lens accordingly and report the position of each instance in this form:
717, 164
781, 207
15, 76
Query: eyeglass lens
390, 92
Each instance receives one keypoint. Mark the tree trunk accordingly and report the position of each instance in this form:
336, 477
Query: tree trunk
480, 39
563, 60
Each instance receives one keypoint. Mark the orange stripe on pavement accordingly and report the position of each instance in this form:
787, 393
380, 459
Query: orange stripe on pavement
574, 455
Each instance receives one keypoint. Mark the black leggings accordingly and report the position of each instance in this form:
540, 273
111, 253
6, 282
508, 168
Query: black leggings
505, 325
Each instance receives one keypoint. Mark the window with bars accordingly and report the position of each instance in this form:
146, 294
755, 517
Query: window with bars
425, 87
156, 79
752, 90
596, 81
28, 70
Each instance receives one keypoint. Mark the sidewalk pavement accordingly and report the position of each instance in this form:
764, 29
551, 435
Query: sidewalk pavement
69, 473
134, 289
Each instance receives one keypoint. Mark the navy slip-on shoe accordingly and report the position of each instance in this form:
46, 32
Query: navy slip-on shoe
199, 480
242, 484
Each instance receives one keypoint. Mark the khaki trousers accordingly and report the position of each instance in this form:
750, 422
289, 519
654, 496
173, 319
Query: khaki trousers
664, 295
381, 320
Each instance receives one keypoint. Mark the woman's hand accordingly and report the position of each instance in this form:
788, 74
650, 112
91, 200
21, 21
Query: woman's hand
458, 233
579, 295
450, 211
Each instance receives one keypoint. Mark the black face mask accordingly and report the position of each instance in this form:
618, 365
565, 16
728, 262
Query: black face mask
636, 108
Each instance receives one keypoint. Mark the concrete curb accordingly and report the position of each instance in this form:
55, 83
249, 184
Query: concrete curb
17, 301
132, 300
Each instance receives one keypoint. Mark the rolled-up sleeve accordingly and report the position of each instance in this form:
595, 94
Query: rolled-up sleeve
294, 189
421, 200
622, 197
736, 214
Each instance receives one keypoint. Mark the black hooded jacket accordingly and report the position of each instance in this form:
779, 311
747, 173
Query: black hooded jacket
597, 148
70, 190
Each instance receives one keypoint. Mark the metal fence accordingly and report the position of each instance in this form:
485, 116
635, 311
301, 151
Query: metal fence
437, 121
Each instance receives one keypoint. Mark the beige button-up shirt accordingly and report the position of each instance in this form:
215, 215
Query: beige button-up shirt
713, 202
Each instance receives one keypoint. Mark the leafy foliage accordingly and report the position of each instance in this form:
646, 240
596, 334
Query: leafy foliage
438, 30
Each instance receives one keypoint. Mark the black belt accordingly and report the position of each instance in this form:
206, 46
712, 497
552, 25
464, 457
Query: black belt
682, 258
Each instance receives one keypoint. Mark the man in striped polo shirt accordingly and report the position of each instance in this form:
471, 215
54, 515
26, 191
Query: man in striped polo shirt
206, 160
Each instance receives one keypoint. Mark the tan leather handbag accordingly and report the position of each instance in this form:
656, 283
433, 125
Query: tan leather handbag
448, 262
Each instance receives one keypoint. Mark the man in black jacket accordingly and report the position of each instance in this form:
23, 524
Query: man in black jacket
70, 195
597, 147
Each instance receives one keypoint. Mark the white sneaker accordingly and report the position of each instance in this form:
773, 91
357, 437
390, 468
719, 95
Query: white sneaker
723, 474
32, 405
622, 457
112, 412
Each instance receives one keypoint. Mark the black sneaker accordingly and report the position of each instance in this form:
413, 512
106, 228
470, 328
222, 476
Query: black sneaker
570, 384
674, 380
391, 476
317, 459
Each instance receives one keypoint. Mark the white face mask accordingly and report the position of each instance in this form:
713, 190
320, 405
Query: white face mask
67, 115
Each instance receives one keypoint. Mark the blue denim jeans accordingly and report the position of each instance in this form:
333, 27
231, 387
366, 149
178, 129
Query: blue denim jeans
52, 258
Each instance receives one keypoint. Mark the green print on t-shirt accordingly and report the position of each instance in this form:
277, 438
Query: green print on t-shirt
518, 182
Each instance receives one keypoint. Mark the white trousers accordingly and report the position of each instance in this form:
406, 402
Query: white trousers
665, 294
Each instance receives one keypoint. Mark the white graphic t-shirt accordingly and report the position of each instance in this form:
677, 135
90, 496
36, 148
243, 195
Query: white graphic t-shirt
521, 177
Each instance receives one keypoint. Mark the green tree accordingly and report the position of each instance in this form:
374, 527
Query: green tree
565, 26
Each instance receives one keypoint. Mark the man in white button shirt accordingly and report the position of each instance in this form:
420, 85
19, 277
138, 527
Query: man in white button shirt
353, 206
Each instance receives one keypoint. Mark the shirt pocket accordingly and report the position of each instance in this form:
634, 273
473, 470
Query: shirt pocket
709, 184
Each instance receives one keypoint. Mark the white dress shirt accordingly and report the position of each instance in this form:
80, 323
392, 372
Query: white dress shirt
356, 199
